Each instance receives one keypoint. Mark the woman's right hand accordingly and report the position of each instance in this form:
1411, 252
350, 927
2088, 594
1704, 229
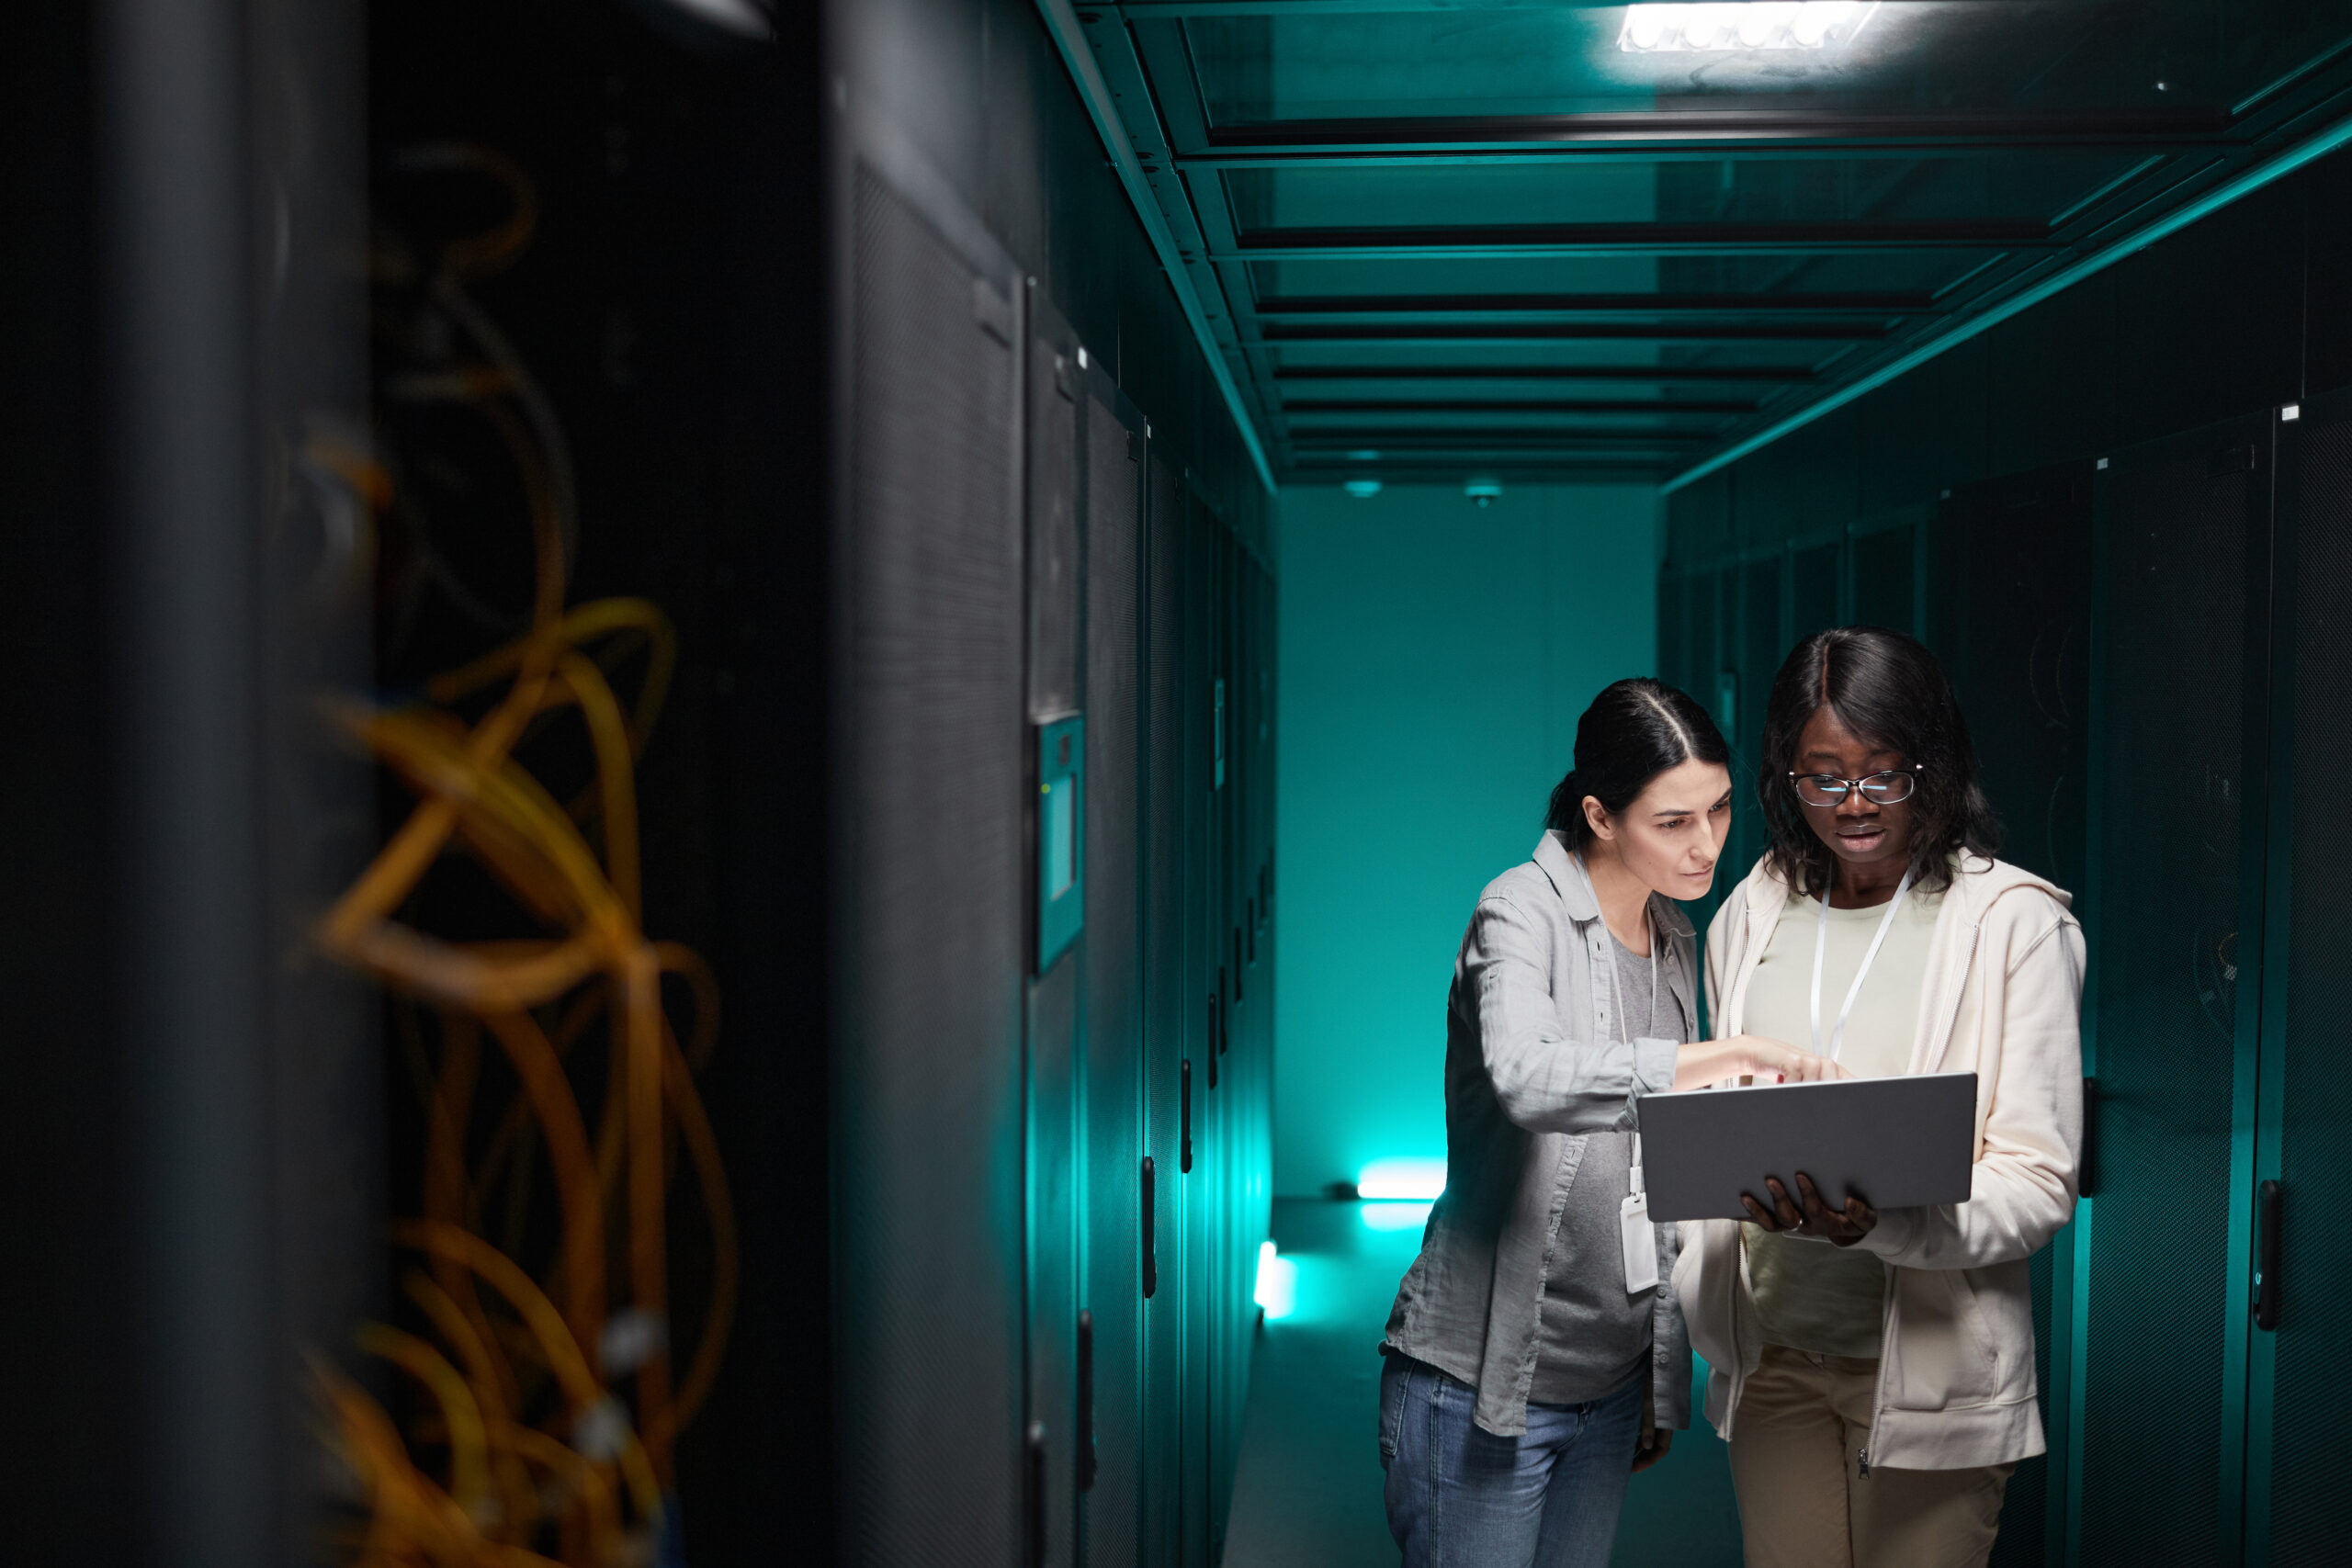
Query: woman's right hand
1751, 1055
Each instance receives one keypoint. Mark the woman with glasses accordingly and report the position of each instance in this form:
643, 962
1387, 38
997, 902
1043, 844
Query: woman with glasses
1874, 1373
1534, 1362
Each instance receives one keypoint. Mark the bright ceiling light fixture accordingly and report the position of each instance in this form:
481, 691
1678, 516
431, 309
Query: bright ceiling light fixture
1744, 24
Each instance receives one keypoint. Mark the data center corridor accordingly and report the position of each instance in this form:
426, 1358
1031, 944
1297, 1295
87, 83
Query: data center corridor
750, 737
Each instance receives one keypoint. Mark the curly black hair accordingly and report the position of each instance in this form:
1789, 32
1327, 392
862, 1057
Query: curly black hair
1887, 688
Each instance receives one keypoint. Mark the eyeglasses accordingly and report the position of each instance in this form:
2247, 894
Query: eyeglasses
1880, 789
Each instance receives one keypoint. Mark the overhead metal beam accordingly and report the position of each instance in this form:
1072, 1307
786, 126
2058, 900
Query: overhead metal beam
1471, 334
1670, 127
1213, 213
1420, 468
1783, 373
1269, 249
1508, 405
2311, 147
1640, 239
1496, 440
1424, 305
1777, 150
1061, 22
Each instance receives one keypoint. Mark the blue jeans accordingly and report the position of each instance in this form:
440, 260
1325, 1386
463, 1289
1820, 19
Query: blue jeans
1460, 1497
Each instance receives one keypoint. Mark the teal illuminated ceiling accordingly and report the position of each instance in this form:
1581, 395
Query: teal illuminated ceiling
1493, 236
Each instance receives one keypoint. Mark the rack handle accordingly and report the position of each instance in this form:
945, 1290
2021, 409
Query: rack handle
1150, 1228
1033, 1505
1184, 1161
2086, 1183
2269, 1199
1086, 1460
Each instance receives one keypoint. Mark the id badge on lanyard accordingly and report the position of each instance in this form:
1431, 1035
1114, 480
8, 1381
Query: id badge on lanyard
1636, 1236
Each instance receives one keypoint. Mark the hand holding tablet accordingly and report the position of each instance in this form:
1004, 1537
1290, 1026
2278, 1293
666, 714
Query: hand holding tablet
1845, 1226
1858, 1145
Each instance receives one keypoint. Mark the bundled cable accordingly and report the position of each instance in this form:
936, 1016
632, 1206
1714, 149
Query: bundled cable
549, 1412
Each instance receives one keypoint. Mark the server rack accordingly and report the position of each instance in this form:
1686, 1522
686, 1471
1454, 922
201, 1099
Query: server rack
2295, 1290
1099, 1306
905, 528
2146, 644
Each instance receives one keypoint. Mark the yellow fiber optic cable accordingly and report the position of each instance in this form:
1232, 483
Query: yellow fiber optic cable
516, 1384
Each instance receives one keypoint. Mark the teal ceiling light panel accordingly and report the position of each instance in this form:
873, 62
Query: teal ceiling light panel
1062, 837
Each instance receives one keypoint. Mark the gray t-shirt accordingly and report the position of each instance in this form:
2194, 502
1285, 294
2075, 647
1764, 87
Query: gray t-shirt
1592, 1336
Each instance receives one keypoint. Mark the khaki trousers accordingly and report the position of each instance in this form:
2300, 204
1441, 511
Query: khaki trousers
1803, 1501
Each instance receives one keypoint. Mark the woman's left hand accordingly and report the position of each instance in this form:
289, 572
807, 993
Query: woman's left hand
1655, 1439
1845, 1226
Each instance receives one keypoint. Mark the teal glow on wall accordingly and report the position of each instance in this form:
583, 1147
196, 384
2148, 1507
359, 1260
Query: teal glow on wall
1435, 656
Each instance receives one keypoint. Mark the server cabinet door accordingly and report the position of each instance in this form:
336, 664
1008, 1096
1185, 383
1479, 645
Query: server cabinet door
2302, 1266
1714, 648
1167, 1001
2186, 527
1672, 598
1884, 577
2013, 558
1224, 791
1055, 636
1052, 486
1199, 1185
927, 1062
1812, 588
1714, 641
1113, 1227
1759, 650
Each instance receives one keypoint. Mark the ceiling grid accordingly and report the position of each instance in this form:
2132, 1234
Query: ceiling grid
1438, 238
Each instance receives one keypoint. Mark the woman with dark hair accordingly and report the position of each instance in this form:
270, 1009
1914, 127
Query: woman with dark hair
1874, 1373
1534, 1357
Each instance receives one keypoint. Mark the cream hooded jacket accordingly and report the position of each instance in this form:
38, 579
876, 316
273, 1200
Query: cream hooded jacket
2001, 998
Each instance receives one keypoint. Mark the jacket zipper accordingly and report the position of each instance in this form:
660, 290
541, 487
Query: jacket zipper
1739, 1278
1878, 1391
1886, 1333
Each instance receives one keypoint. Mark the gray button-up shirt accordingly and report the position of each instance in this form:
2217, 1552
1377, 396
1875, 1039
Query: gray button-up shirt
1533, 1062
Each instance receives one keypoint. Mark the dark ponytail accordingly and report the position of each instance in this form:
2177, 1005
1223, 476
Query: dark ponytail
1633, 731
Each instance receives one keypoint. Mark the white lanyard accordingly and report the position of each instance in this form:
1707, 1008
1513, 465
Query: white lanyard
1636, 1237
1617, 992
1625, 1025
1821, 944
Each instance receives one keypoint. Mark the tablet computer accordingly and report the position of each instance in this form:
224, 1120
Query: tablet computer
1897, 1143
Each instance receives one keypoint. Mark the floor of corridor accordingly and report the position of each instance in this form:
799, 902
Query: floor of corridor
1308, 1495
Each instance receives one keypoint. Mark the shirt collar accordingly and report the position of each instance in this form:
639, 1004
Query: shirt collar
1568, 879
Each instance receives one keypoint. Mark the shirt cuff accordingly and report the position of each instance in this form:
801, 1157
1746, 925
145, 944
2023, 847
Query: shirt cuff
1893, 1234
1670, 1395
1654, 1066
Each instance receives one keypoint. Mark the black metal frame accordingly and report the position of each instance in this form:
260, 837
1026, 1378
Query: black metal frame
1145, 54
